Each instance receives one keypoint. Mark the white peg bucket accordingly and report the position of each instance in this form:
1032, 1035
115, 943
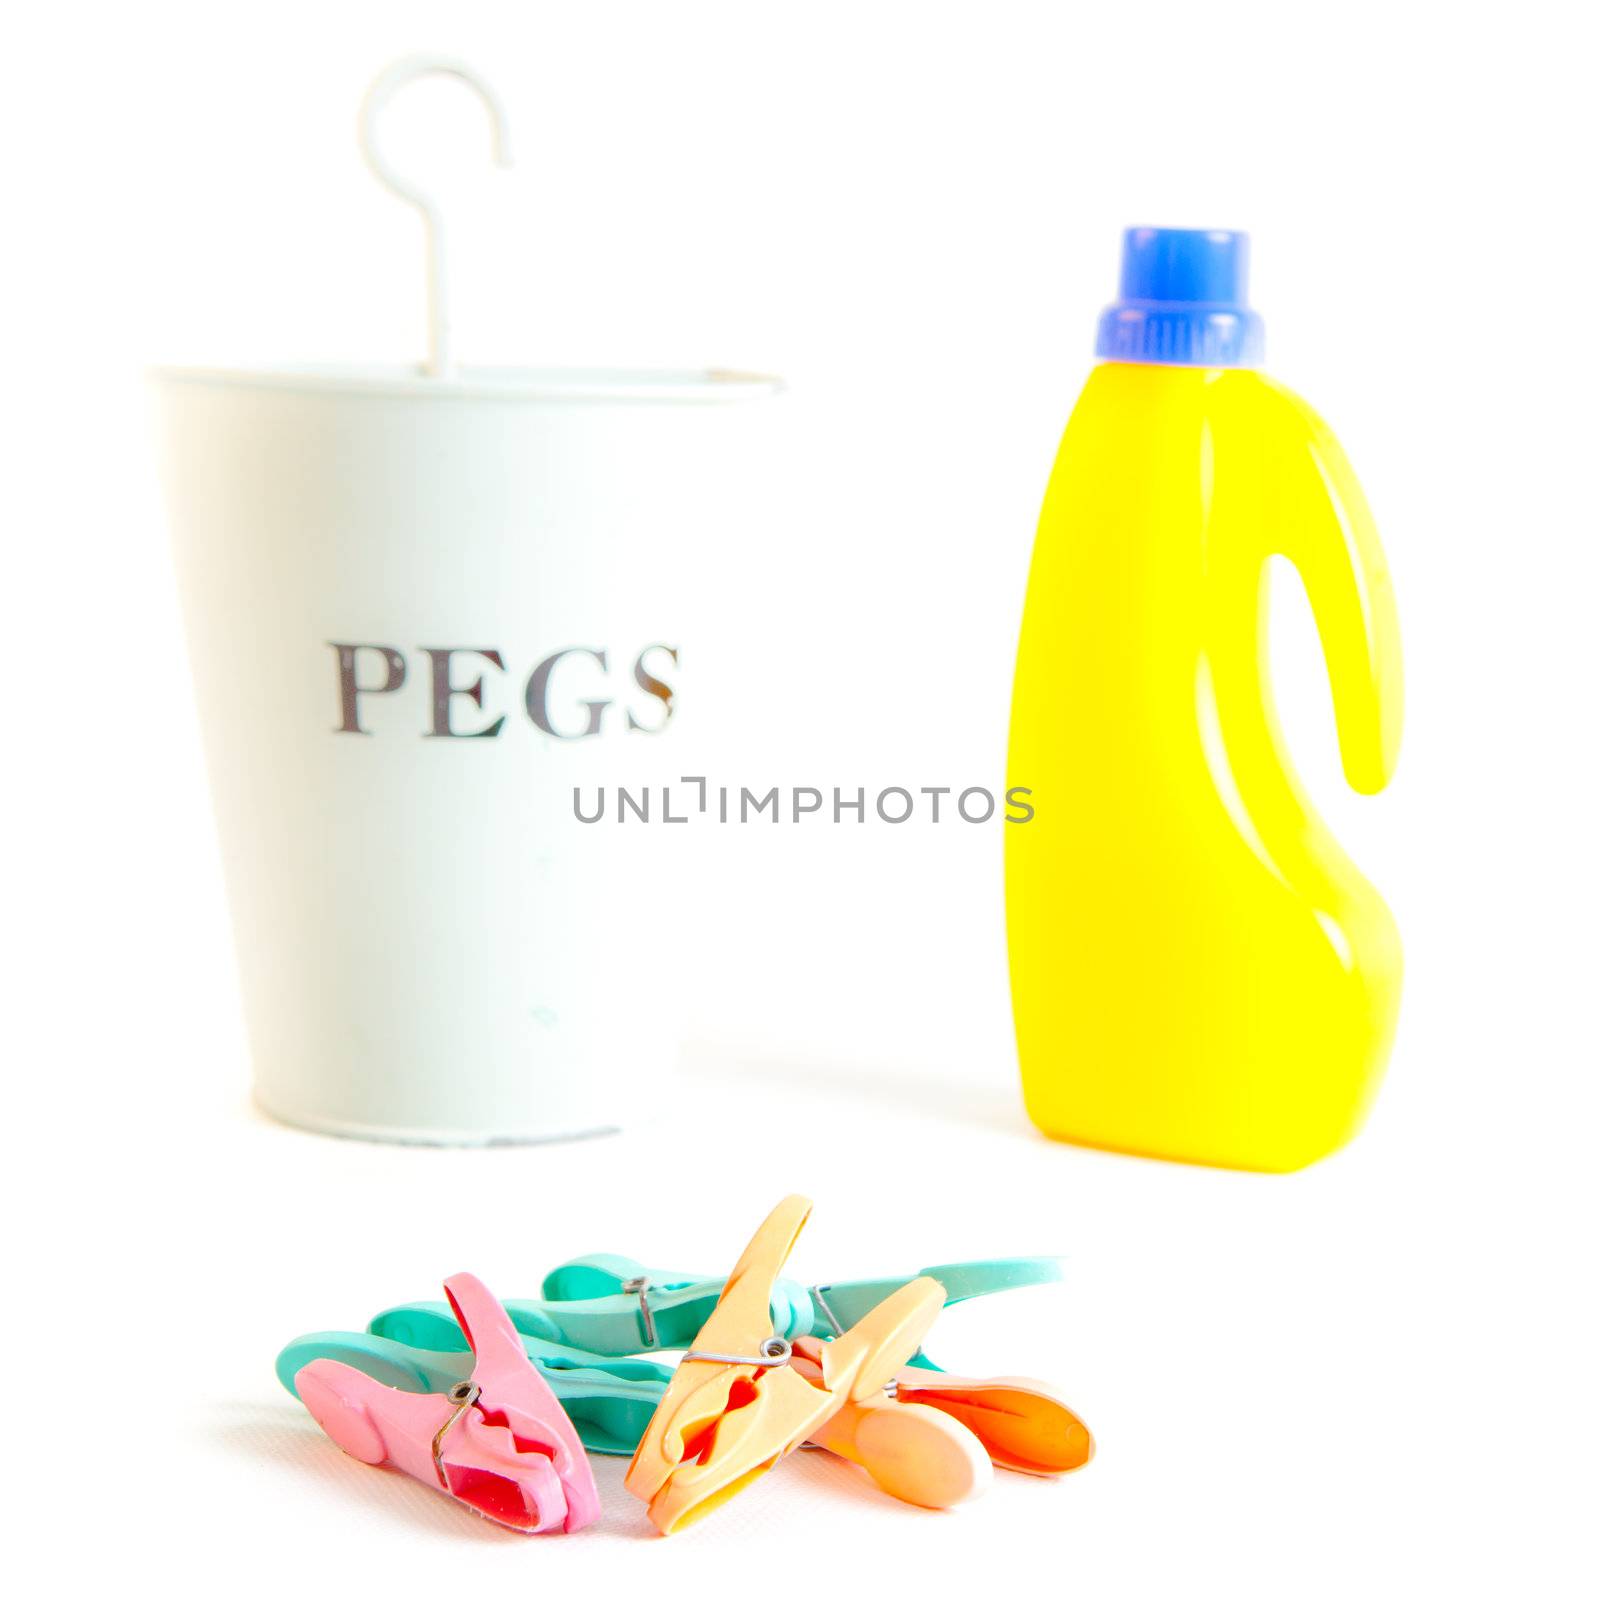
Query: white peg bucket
423, 608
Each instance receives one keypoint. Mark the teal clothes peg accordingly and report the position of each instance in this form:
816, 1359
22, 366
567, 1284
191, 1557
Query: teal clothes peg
837, 1306
663, 1312
830, 1307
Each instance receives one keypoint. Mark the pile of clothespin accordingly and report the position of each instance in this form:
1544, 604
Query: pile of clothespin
495, 1405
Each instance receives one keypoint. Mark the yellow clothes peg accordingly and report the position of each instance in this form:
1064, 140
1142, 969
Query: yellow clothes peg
735, 1406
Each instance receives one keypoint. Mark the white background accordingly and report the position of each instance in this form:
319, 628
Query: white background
1377, 1376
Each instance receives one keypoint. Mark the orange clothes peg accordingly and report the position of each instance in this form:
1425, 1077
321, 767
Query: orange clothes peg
735, 1406
917, 1453
1023, 1425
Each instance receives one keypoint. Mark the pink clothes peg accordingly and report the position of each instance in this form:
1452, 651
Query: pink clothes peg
499, 1441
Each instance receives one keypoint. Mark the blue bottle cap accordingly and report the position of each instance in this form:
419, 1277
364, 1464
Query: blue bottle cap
1183, 301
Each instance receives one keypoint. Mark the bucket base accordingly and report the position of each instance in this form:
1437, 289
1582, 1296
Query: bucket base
458, 1138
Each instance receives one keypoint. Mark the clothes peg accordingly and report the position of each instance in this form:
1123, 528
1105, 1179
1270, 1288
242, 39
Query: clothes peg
498, 1440
1023, 1426
628, 1315
837, 1306
916, 1453
609, 1399
833, 1306
613, 1305
735, 1406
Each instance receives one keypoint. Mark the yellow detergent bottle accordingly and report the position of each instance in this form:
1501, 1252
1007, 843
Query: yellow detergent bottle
1197, 970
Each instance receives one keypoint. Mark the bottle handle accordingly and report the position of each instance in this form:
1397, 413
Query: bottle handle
1324, 527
